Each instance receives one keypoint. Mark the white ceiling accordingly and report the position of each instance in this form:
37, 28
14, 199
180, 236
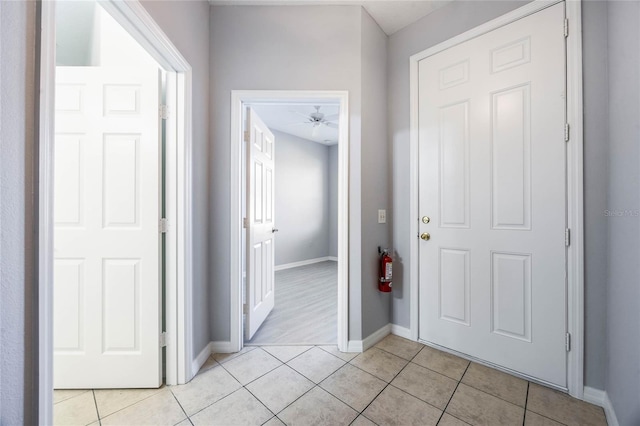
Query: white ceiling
391, 15
287, 118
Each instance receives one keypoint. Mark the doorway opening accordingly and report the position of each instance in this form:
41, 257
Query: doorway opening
172, 174
305, 201
108, 200
310, 106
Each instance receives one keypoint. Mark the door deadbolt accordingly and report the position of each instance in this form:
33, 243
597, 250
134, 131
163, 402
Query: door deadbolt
425, 236
426, 219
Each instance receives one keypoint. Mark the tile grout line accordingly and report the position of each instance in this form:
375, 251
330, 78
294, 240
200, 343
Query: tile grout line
444, 410
387, 383
260, 401
526, 402
128, 406
95, 404
180, 405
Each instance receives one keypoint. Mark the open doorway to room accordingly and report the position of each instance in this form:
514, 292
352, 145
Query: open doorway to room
114, 236
108, 200
305, 226
256, 217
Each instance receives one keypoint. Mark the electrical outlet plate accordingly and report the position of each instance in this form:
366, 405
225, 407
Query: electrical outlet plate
382, 216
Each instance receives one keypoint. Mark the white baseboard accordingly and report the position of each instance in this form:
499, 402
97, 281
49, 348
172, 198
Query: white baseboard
369, 341
601, 398
222, 348
354, 346
332, 258
401, 331
304, 262
202, 357
376, 336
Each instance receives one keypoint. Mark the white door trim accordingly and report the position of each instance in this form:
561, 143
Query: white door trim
575, 206
238, 99
137, 22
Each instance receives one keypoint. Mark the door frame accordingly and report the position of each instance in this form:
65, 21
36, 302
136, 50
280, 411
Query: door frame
574, 200
135, 19
240, 98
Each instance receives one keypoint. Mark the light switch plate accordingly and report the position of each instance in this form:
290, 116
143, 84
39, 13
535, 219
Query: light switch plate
382, 216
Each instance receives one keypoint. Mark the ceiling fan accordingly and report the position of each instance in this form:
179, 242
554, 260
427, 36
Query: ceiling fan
317, 119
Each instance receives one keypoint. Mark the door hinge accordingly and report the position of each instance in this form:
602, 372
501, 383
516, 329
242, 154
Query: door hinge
163, 339
567, 237
247, 136
164, 225
566, 132
245, 222
164, 111
567, 341
566, 28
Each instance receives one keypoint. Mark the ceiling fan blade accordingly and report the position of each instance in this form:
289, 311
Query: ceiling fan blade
306, 117
332, 125
331, 117
304, 123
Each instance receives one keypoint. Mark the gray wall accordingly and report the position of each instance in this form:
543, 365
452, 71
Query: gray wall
302, 196
18, 299
75, 29
376, 306
333, 200
187, 25
623, 291
596, 179
282, 48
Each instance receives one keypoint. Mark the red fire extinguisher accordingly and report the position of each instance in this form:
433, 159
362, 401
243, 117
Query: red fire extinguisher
386, 271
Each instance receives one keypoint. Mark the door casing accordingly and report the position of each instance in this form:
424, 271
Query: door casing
575, 203
239, 99
178, 269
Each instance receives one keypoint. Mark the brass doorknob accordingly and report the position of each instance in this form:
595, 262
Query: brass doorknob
426, 219
425, 236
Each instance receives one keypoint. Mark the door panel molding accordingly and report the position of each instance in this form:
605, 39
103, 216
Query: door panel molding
575, 203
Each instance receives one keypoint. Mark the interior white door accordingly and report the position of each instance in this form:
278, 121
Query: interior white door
260, 292
492, 183
107, 297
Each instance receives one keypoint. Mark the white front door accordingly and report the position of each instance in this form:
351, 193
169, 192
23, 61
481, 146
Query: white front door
107, 274
260, 292
492, 183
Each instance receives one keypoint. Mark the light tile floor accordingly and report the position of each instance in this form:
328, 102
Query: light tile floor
397, 382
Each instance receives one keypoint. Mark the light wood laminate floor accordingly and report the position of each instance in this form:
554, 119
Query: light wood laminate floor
306, 307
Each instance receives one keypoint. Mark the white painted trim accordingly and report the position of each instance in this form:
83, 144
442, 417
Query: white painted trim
370, 340
575, 201
222, 348
332, 258
136, 20
202, 357
238, 99
601, 399
46, 113
376, 336
354, 346
304, 263
575, 291
400, 331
